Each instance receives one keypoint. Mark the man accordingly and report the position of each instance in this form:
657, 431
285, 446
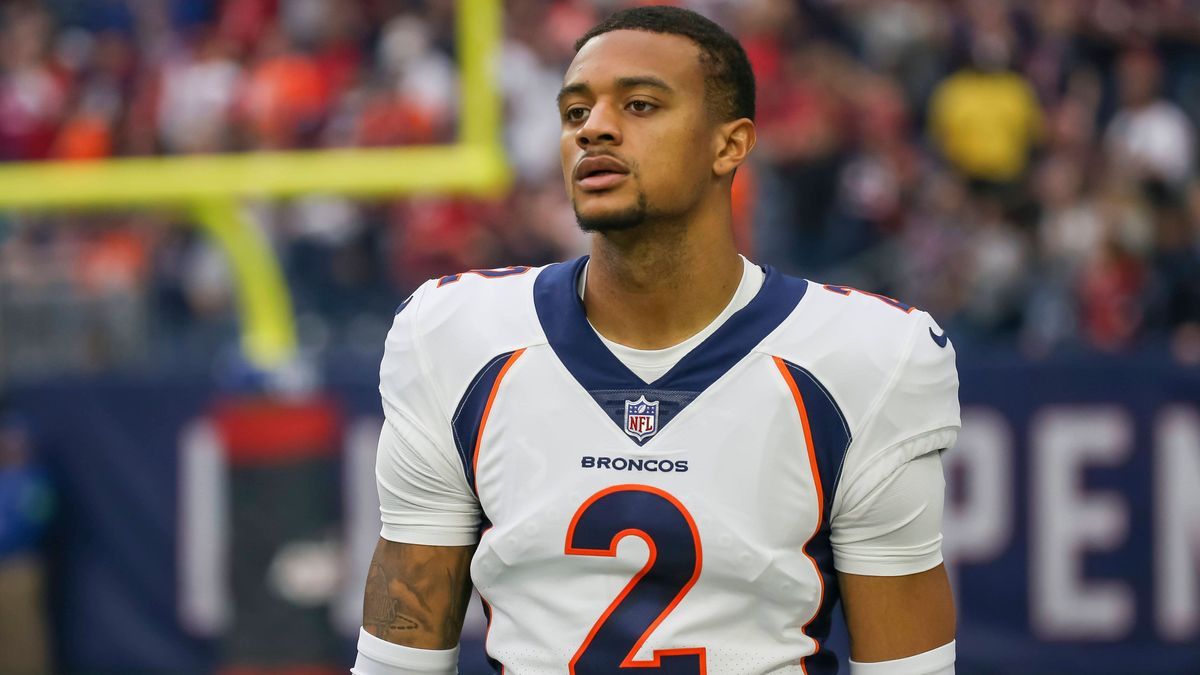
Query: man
985, 118
26, 506
660, 457
1150, 139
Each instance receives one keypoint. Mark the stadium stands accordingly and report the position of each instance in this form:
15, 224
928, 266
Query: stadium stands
1068, 219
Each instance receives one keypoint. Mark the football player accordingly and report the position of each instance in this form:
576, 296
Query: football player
660, 458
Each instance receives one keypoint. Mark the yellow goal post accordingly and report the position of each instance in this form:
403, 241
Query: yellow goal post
208, 188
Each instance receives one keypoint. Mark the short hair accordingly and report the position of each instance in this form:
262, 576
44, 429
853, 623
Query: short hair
729, 80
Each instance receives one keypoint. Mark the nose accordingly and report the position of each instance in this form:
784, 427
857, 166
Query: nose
600, 127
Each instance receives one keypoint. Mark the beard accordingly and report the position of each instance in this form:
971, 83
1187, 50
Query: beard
626, 219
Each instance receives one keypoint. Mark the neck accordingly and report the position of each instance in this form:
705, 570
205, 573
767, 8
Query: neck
659, 284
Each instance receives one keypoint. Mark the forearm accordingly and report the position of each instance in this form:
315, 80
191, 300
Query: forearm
416, 596
897, 617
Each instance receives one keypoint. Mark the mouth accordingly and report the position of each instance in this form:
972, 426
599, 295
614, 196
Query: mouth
595, 174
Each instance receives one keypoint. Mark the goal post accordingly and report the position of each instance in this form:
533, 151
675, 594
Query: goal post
209, 188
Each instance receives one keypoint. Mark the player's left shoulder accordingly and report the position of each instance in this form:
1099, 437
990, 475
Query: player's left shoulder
859, 344
892, 328
891, 369
868, 328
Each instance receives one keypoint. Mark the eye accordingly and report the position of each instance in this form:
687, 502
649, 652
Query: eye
641, 106
575, 114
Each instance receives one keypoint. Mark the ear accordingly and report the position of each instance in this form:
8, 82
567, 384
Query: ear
734, 141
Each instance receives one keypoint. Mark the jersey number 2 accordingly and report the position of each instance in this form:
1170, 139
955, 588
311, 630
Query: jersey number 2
669, 573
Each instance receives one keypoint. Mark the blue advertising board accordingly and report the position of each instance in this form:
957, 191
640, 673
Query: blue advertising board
1072, 520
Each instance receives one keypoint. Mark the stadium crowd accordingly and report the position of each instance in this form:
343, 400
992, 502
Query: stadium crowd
1025, 170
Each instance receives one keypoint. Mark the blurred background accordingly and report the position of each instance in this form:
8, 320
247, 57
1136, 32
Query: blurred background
1024, 170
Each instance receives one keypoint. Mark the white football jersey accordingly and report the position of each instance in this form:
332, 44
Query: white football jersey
690, 525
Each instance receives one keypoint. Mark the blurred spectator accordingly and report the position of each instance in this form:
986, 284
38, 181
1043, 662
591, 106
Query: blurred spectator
32, 95
284, 97
905, 39
985, 117
1110, 286
419, 72
197, 97
25, 509
529, 78
1071, 230
804, 129
1150, 138
930, 265
1176, 283
998, 257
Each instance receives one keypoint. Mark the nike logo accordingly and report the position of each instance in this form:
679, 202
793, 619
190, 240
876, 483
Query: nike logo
941, 340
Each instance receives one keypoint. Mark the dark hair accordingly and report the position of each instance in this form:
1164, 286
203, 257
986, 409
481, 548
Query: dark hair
729, 81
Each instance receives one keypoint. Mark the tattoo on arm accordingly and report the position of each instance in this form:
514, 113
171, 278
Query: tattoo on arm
417, 595
379, 610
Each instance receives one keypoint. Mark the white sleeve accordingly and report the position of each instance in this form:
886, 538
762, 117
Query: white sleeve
423, 496
887, 510
423, 493
897, 529
380, 657
938, 661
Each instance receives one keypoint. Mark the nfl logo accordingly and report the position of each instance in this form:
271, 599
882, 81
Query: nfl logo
641, 418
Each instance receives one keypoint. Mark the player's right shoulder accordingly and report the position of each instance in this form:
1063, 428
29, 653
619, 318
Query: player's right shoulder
464, 312
453, 326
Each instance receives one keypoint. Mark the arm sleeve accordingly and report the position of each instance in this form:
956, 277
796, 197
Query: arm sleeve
380, 657
887, 510
423, 493
938, 661
897, 529
423, 498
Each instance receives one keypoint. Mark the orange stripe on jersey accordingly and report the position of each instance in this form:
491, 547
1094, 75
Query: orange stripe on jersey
487, 632
808, 441
816, 476
487, 410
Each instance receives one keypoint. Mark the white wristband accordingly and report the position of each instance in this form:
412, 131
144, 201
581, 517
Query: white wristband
380, 657
938, 661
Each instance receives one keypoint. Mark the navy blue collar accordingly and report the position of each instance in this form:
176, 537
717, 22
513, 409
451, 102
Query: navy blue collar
561, 313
